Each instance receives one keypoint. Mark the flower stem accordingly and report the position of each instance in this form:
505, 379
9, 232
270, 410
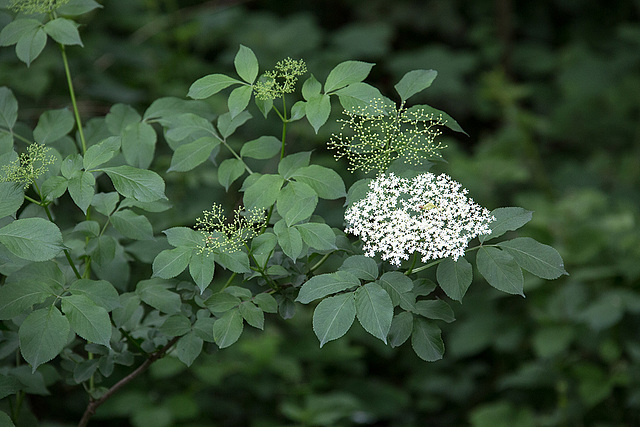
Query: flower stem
72, 94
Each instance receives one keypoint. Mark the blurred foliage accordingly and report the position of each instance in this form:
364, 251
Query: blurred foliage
549, 92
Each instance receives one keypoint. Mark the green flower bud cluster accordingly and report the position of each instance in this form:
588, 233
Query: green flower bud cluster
36, 6
381, 133
28, 166
274, 84
221, 236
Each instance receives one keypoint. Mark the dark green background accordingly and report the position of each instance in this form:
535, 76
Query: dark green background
549, 93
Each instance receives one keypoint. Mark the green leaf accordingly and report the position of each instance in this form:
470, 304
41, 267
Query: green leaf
252, 314
289, 239
435, 309
454, 277
5, 420
374, 310
77, 7
317, 236
31, 285
64, 31
222, 302
399, 287
238, 261
43, 334
33, 239
121, 116
88, 228
201, 269
209, 85
54, 187
264, 147
99, 291
291, 163
413, 82
53, 125
176, 325
266, 302
156, 293
401, 328
87, 319
191, 125
17, 28
171, 262
230, 170
8, 105
263, 192
500, 270
298, 111
132, 225
101, 153
188, 156
139, 184
296, 202
139, 144
317, 111
239, 99
11, 198
326, 284
311, 88
30, 45
359, 96
227, 125
81, 189
246, 64
326, 182
333, 317
507, 219
262, 247
426, 340
531, 255
264, 105
428, 111
346, 73
361, 266
84, 370
102, 249
72, 166
105, 203
228, 328
189, 348
183, 236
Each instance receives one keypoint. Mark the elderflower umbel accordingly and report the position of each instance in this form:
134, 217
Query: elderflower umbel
36, 6
28, 166
380, 133
281, 80
220, 236
428, 214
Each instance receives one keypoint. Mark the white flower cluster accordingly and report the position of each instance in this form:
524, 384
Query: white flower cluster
429, 214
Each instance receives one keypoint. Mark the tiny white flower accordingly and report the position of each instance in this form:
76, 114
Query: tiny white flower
428, 214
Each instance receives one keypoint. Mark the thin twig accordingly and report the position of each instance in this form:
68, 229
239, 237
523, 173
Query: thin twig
93, 404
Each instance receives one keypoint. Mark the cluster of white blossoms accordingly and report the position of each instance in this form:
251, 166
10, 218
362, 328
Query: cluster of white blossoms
428, 214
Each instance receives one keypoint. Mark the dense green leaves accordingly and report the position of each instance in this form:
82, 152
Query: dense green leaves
33, 239
333, 317
156, 293
296, 202
263, 192
43, 334
289, 239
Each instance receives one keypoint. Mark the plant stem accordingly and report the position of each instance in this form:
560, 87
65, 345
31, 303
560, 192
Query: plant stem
72, 94
247, 168
93, 404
